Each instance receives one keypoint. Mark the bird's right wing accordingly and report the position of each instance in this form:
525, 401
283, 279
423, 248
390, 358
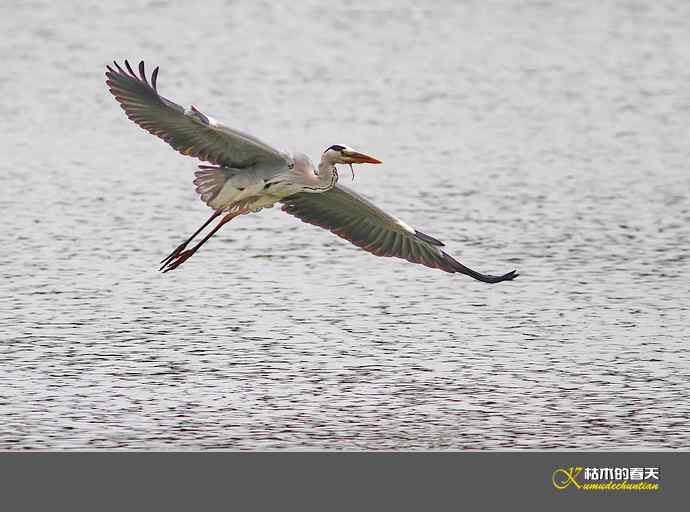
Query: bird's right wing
188, 131
353, 217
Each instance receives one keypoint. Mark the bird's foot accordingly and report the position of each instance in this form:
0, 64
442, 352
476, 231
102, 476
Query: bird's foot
173, 254
177, 260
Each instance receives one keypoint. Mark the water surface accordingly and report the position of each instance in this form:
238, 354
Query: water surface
531, 135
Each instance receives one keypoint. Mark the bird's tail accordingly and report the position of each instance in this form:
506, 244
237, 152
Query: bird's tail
210, 180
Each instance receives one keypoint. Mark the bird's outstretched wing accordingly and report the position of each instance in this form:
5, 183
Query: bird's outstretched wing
353, 217
188, 131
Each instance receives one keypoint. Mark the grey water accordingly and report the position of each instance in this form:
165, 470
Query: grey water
546, 136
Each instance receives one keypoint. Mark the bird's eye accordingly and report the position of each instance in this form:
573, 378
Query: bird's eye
336, 147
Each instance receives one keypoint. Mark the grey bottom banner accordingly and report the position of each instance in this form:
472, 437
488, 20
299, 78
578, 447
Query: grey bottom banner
343, 481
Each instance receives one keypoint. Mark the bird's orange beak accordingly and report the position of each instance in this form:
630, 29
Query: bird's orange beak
361, 158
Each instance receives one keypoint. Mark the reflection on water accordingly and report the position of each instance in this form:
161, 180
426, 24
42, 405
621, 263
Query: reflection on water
543, 137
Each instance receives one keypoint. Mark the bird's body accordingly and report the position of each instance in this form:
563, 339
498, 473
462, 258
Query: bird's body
246, 175
222, 187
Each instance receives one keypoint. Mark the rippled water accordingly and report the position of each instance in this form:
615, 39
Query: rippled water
533, 135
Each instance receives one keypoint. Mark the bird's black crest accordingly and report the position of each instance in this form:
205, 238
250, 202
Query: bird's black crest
335, 147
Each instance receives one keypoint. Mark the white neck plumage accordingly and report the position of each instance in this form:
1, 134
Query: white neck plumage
327, 174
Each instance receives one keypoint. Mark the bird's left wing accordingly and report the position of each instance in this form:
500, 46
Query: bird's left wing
188, 131
353, 217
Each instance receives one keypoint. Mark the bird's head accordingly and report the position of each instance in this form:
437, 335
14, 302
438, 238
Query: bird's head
340, 154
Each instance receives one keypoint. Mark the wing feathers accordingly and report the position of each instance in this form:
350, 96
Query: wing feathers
354, 218
429, 239
190, 132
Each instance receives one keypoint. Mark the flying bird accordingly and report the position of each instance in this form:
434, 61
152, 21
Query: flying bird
244, 174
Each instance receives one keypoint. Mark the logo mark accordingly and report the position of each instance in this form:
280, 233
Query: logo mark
609, 478
564, 478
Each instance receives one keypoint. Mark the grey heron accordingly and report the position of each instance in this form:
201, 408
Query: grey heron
246, 175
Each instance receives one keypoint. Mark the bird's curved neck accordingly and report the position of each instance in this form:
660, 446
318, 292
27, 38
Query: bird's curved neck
327, 174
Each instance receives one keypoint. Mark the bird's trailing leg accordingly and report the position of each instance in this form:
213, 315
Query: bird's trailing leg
179, 258
184, 244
